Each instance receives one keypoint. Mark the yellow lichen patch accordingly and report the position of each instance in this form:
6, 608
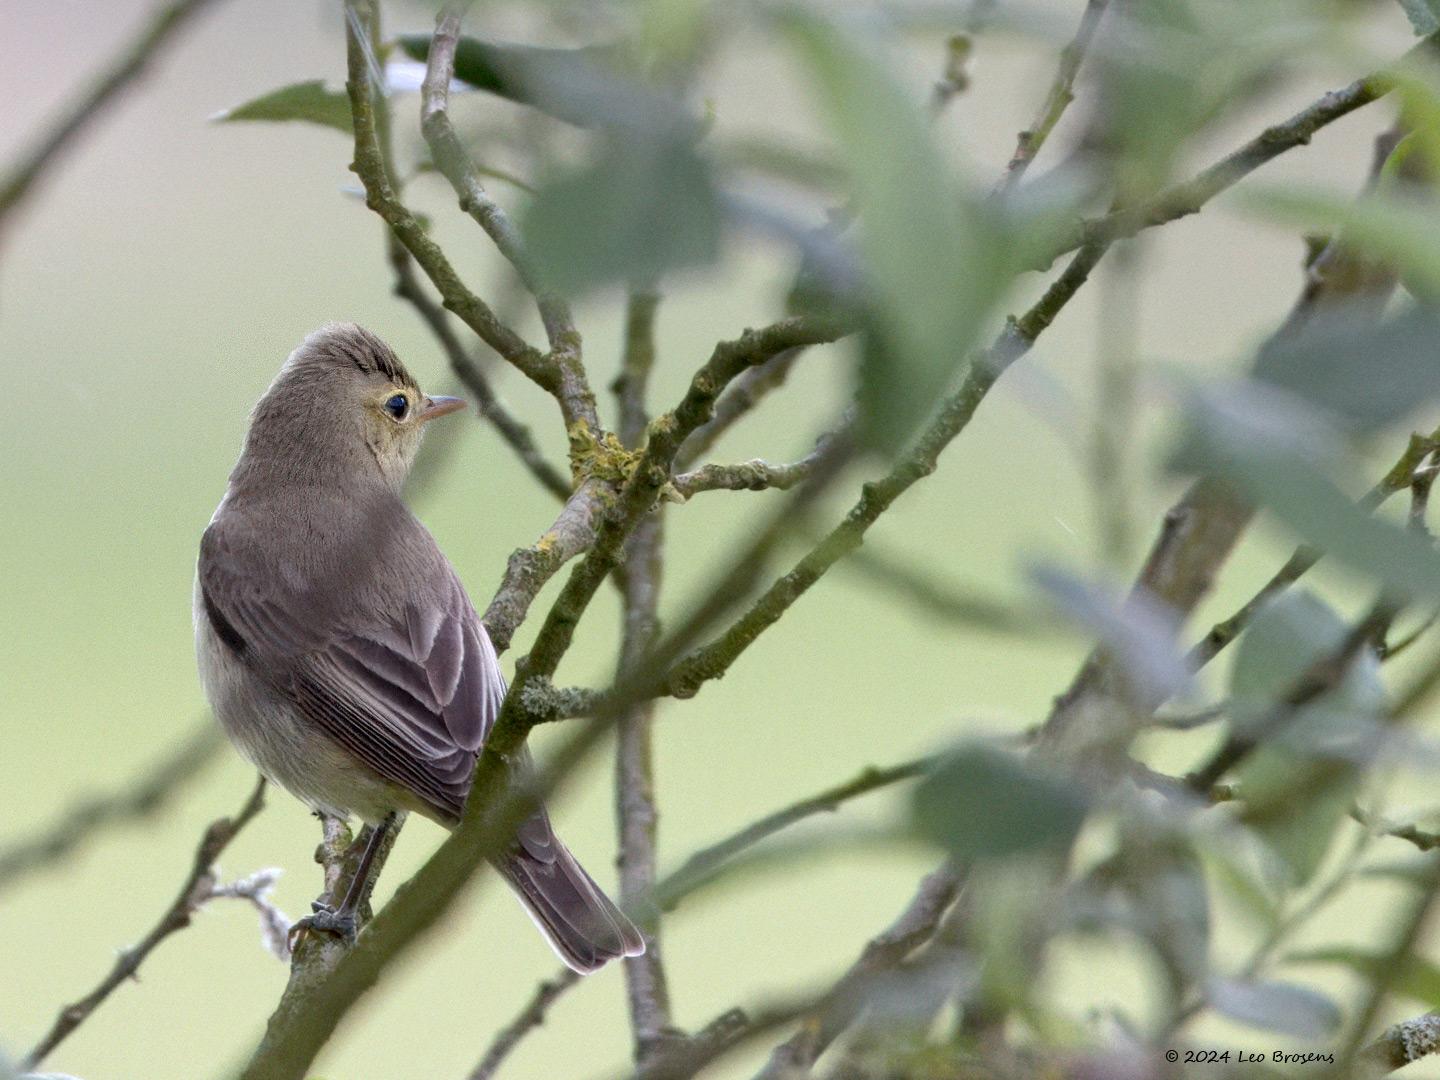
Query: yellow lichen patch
603, 458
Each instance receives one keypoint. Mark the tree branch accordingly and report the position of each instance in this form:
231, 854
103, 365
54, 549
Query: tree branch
712, 660
528, 1019
757, 475
820, 1027
129, 64
737, 403
197, 888
636, 814
1057, 99
142, 798
488, 403
455, 164
1183, 199
700, 867
577, 403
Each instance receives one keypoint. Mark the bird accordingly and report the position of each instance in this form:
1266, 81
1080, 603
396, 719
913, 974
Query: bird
337, 646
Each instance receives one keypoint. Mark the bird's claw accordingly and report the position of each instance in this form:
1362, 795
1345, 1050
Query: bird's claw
325, 920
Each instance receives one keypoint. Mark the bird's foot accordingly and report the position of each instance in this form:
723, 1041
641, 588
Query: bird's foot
325, 920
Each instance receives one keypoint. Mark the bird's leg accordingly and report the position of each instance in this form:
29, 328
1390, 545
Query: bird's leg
342, 920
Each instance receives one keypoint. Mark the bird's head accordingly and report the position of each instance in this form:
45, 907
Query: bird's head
343, 409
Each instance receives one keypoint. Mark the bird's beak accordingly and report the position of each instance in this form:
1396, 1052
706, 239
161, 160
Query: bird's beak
440, 406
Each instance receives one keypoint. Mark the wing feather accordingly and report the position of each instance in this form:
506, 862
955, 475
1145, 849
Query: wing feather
401, 674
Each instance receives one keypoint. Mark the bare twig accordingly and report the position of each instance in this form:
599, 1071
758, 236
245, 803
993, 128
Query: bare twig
713, 659
915, 926
755, 475
141, 798
1399, 1045
128, 65
560, 376
1188, 197
526, 1021
487, 402
636, 814
738, 402
705, 863
1400, 476
455, 164
1389, 968
1057, 99
198, 887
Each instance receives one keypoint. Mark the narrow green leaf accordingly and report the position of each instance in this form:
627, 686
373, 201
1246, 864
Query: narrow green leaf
1299, 785
981, 802
642, 208
308, 102
1275, 1006
1267, 444
936, 260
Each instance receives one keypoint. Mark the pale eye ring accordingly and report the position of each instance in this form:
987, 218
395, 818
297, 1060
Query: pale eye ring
397, 405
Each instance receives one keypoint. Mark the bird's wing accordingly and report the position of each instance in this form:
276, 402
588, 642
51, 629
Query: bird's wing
410, 687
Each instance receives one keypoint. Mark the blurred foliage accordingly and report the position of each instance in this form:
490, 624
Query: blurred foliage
629, 175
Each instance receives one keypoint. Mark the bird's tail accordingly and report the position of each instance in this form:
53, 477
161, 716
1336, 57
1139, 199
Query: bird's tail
581, 923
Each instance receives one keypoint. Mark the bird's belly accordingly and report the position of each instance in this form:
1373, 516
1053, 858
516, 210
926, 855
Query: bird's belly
287, 748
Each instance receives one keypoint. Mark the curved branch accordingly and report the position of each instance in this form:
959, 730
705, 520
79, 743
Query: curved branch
198, 888
137, 801
455, 164
128, 65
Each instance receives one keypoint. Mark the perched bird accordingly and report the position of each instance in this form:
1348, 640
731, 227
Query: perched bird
336, 644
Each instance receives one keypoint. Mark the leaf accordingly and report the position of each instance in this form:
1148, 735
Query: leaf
1226, 860
579, 86
1265, 442
1138, 630
1299, 785
1397, 227
641, 208
309, 102
1274, 1006
1285, 638
981, 802
1424, 15
936, 260
1366, 373
1417, 978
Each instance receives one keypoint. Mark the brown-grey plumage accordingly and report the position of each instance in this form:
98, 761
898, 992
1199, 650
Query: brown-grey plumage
335, 641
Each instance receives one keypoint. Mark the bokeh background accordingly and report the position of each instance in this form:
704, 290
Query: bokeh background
148, 293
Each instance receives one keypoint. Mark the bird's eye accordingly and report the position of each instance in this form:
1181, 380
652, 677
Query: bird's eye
397, 405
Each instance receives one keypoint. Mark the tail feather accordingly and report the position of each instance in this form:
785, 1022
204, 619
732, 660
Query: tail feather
581, 923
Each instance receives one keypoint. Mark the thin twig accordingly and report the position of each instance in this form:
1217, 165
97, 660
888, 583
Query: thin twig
453, 161
197, 888
488, 403
129, 63
915, 926
737, 403
1389, 968
577, 403
1188, 197
1399, 477
138, 800
1057, 99
757, 475
711, 661
636, 813
527, 1020
700, 867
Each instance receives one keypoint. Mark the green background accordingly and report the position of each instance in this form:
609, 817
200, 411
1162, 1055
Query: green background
147, 295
